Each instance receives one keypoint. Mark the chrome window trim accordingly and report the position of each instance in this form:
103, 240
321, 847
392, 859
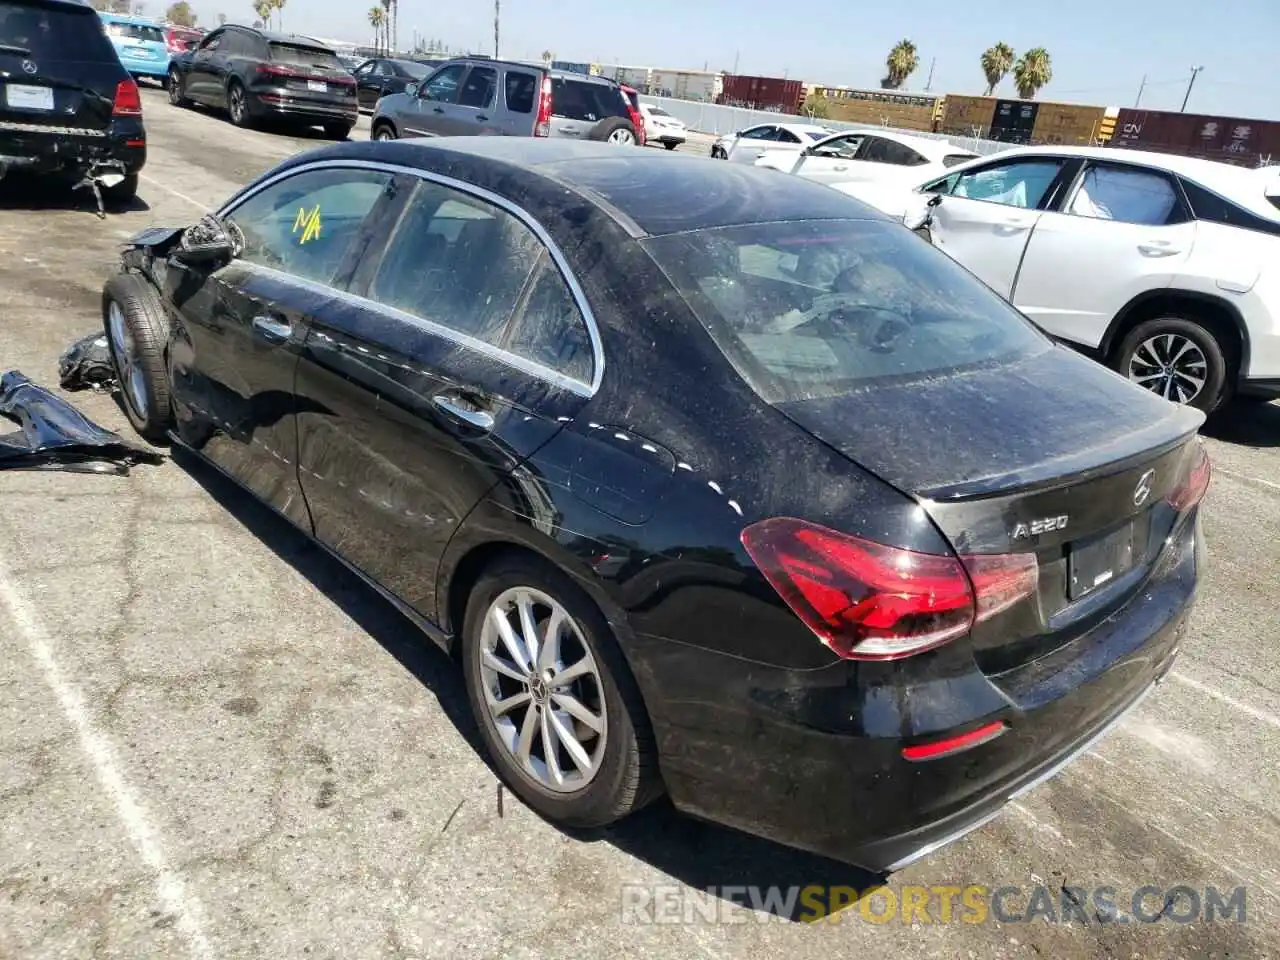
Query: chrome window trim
481, 346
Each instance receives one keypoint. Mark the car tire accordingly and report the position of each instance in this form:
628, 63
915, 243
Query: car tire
177, 88
1199, 355
137, 334
616, 131
671, 145
122, 192
238, 105
383, 131
623, 755
337, 131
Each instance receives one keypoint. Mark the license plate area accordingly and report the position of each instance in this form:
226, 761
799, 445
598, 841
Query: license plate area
1093, 563
22, 96
317, 86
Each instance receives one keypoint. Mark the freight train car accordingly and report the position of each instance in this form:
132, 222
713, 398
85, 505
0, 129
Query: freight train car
1026, 121
1246, 142
888, 108
762, 93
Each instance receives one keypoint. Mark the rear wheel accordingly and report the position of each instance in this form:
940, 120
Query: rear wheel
337, 131
554, 698
671, 144
137, 333
176, 88
384, 131
238, 104
122, 192
615, 130
1178, 358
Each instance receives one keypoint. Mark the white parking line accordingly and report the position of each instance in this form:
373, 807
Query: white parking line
170, 888
1270, 719
1245, 477
168, 189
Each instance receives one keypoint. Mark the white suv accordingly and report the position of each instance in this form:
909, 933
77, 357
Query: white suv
1168, 268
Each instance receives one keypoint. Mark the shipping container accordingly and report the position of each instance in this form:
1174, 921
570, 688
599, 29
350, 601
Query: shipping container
762, 93
1073, 124
886, 108
699, 85
967, 116
1013, 121
1250, 143
568, 66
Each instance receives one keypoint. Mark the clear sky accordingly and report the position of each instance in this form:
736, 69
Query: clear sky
1100, 48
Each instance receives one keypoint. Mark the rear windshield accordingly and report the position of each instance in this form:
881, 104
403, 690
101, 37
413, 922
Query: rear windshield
816, 134
41, 33
658, 112
819, 308
304, 56
580, 100
136, 31
954, 159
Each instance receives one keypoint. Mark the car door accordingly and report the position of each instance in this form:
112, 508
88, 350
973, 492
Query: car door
369, 81
200, 85
520, 89
460, 351
1123, 229
984, 216
426, 115
752, 144
832, 161
477, 110
238, 330
884, 160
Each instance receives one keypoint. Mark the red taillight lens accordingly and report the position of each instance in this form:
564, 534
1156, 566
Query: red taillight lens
867, 601
128, 102
949, 745
542, 126
1192, 490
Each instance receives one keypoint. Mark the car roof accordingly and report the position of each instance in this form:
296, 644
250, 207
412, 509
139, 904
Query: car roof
128, 18
929, 147
648, 192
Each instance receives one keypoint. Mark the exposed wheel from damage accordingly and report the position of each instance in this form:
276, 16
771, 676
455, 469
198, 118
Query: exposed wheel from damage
554, 698
137, 334
1178, 358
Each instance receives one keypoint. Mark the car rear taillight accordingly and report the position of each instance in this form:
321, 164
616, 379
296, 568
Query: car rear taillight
128, 102
542, 126
1192, 490
868, 601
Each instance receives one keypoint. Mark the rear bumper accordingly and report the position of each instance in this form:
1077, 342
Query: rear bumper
273, 103
44, 150
813, 759
146, 68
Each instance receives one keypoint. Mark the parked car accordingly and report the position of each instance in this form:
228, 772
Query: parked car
70, 108
379, 77
634, 113
860, 155
470, 96
747, 495
1161, 265
181, 39
753, 143
140, 45
352, 63
662, 127
257, 76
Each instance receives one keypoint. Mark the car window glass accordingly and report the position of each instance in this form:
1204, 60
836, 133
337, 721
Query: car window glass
1131, 196
135, 31
304, 225
806, 309
233, 44
304, 56
520, 90
457, 261
479, 88
842, 147
550, 330
443, 85
955, 159
1017, 183
383, 69
212, 43
881, 150
365, 69
588, 102
786, 136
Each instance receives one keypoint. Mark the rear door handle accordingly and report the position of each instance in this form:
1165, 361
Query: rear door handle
1158, 248
272, 328
841, 166
479, 419
480, 117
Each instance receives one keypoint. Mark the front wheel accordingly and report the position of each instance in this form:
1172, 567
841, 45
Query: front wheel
554, 698
177, 90
137, 334
1177, 358
384, 131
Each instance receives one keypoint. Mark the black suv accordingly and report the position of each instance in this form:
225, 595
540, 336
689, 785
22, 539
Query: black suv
256, 76
68, 106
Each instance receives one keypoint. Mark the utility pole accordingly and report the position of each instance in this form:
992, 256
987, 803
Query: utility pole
1192, 83
497, 13
1141, 87
928, 84
735, 62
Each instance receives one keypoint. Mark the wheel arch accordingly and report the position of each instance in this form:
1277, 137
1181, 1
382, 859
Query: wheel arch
383, 122
1219, 315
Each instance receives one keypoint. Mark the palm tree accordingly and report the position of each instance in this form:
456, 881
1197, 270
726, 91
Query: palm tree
386, 23
997, 61
263, 9
279, 8
1032, 72
901, 63
376, 19
395, 29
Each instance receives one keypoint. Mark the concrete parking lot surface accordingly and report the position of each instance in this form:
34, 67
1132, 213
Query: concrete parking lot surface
215, 743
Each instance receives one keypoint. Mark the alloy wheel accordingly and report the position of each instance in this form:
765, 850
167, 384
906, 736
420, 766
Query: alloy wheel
542, 689
623, 137
237, 105
1170, 365
384, 133
175, 88
131, 374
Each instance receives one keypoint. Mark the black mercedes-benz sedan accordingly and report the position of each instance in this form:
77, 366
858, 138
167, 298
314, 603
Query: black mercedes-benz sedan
715, 482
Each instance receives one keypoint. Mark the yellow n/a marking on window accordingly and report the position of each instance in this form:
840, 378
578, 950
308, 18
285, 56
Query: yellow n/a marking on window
307, 222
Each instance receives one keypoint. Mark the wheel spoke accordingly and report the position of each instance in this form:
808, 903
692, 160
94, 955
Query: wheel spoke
571, 673
571, 745
519, 656
550, 747
500, 707
1186, 345
1146, 377
498, 665
524, 747
528, 629
549, 649
579, 711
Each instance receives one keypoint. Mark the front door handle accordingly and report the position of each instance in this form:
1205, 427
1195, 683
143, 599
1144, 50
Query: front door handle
437, 109
479, 419
480, 117
1158, 248
272, 328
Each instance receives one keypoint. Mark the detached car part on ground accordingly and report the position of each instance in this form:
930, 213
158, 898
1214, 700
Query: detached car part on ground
69, 109
748, 496
1161, 266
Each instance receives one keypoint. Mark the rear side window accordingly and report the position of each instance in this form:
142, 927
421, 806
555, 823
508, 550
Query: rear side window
880, 150
955, 159
589, 102
63, 34
1128, 195
520, 88
1206, 205
806, 309
479, 88
550, 329
136, 31
1015, 183
304, 56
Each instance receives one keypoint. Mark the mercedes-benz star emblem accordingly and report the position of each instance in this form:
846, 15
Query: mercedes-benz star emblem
1143, 489
28, 66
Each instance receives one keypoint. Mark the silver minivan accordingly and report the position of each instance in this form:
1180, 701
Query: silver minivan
473, 96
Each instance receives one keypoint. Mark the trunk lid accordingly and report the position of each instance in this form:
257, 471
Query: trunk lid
1052, 455
60, 71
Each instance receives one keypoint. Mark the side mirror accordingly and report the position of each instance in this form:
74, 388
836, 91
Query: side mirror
206, 241
935, 200
411, 89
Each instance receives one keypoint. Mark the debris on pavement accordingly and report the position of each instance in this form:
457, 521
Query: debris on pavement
54, 435
86, 364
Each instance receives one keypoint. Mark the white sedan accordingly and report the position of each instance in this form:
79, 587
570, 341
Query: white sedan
753, 143
661, 127
870, 155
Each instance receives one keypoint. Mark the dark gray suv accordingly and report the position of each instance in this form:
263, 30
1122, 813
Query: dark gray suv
473, 96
